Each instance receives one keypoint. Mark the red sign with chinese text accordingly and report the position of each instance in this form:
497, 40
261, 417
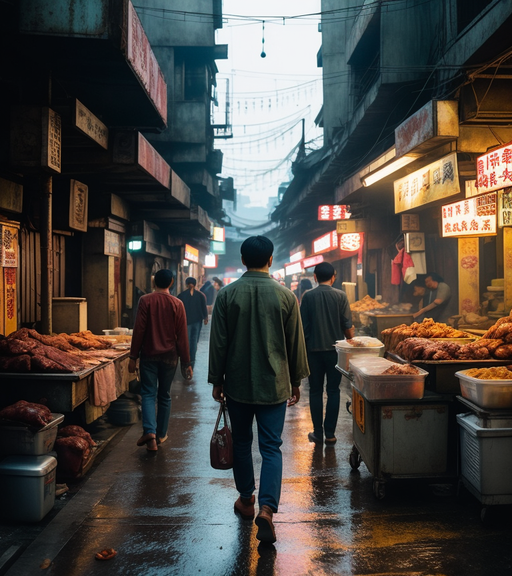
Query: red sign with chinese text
336, 212
494, 169
471, 217
325, 243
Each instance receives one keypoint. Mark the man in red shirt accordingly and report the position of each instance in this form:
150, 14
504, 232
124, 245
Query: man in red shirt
159, 339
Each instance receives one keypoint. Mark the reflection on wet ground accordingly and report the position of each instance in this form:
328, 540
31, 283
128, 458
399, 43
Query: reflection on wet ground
171, 514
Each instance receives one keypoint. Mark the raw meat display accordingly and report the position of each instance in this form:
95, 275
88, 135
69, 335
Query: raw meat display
30, 413
73, 430
72, 454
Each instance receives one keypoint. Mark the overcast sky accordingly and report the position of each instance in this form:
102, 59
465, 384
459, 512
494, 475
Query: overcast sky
269, 96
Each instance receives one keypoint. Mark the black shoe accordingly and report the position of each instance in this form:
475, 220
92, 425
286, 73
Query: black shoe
313, 438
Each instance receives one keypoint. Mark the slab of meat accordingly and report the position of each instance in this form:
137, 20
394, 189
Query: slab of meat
73, 430
20, 363
30, 413
72, 454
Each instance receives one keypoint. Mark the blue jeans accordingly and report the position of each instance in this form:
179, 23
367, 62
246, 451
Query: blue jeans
155, 380
322, 364
270, 422
193, 337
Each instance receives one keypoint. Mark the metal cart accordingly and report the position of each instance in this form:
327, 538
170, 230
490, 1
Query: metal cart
486, 454
403, 438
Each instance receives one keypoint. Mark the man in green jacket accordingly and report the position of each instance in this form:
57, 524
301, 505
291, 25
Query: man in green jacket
257, 361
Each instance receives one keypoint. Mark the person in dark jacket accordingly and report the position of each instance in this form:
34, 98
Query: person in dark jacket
326, 318
197, 314
209, 291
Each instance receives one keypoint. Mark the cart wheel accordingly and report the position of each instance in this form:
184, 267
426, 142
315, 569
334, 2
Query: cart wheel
379, 489
348, 406
354, 458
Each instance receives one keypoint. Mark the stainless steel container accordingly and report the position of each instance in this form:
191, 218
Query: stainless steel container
496, 394
27, 487
26, 440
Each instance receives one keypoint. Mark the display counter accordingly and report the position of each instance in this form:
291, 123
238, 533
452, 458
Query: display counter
64, 392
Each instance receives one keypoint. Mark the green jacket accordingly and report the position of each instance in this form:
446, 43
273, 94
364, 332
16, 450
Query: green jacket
257, 348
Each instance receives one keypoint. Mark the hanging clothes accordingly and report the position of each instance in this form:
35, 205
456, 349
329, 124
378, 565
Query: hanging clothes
420, 262
402, 267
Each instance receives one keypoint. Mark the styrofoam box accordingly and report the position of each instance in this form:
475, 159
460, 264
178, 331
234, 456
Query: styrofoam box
27, 487
495, 394
24, 440
486, 456
346, 351
373, 385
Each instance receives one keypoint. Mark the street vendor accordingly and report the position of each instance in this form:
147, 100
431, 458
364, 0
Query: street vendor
436, 298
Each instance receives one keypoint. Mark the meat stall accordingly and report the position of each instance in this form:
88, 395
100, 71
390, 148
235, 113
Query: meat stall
63, 378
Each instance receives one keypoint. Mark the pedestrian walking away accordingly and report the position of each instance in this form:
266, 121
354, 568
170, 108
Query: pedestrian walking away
257, 361
159, 339
326, 318
197, 314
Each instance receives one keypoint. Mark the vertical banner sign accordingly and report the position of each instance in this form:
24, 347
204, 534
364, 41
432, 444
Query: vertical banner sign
78, 206
10, 305
9, 247
469, 278
52, 140
494, 169
507, 267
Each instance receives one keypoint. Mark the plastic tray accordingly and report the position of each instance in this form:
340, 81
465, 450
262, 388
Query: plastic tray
346, 351
495, 394
373, 385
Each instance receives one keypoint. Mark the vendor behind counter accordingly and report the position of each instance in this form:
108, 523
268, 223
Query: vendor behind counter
436, 297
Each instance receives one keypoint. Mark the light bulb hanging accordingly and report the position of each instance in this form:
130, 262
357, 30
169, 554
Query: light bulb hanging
263, 54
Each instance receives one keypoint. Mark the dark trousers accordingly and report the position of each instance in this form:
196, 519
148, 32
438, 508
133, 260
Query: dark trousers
270, 423
322, 365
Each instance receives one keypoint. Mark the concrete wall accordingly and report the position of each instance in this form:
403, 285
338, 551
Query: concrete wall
165, 26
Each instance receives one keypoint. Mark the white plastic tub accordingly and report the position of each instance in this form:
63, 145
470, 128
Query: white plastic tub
347, 351
496, 394
373, 385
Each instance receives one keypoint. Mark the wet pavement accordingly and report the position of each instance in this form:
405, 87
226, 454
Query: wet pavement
170, 513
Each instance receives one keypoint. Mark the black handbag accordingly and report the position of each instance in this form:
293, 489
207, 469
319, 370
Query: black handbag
221, 444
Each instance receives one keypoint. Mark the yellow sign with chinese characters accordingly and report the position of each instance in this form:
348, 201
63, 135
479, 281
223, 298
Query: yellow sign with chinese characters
358, 409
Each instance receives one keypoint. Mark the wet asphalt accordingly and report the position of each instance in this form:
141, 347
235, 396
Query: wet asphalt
170, 513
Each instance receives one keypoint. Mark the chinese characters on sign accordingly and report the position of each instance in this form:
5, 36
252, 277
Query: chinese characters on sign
494, 169
325, 243
112, 244
432, 182
191, 253
410, 222
471, 217
52, 140
78, 205
505, 212
8, 247
336, 212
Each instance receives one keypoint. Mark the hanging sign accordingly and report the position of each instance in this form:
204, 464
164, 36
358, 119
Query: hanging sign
8, 247
312, 261
428, 184
217, 247
296, 256
350, 242
471, 217
494, 169
219, 234
505, 208
336, 212
325, 243
191, 254
293, 268
210, 261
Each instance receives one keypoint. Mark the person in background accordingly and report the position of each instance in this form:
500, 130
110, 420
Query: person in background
197, 314
326, 318
208, 290
217, 285
436, 300
159, 339
257, 362
304, 286
418, 294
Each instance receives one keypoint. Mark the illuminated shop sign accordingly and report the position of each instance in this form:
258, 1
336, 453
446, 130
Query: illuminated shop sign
210, 261
325, 243
471, 217
312, 261
336, 212
428, 184
350, 242
294, 268
191, 253
219, 234
217, 247
296, 256
494, 169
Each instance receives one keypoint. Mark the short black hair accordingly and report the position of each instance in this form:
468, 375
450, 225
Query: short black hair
190, 280
256, 251
163, 278
435, 277
324, 271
